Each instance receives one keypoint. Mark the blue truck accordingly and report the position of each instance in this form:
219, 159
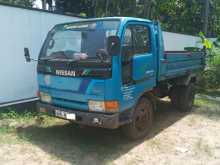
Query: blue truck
108, 72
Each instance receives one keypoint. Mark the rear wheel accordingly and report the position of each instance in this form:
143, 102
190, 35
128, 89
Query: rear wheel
142, 120
182, 97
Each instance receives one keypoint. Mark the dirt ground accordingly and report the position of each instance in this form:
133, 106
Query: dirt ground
176, 139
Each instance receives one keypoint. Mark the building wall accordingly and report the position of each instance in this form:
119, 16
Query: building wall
177, 42
21, 28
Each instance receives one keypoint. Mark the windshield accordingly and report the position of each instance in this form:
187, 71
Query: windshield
79, 40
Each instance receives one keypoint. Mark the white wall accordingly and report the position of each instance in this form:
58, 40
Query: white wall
21, 28
177, 42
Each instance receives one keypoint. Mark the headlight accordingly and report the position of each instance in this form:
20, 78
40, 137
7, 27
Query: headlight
45, 97
103, 106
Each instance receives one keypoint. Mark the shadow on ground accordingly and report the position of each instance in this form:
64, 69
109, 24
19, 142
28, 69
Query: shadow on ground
91, 145
209, 106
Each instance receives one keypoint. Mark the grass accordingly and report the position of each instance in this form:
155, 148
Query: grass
203, 102
63, 140
13, 121
213, 93
210, 107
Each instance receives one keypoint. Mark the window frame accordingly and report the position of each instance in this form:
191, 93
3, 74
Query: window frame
135, 40
132, 25
126, 71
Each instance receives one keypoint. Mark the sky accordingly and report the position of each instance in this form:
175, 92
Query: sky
38, 4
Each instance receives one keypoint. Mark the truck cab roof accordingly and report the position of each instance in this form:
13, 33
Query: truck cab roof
122, 19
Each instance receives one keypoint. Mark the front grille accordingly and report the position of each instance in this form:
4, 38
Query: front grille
70, 104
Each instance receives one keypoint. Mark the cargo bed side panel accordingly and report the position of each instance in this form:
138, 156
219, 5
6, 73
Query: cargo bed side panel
177, 64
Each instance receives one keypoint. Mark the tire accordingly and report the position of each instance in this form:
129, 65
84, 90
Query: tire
142, 120
182, 97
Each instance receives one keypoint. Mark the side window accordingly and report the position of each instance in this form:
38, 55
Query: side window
127, 53
142, 39
127, 44
136, 41
128, 37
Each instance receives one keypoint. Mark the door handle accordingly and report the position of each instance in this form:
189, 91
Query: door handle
149, 73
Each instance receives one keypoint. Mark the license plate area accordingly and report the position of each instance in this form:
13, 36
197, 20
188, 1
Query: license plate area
65, 115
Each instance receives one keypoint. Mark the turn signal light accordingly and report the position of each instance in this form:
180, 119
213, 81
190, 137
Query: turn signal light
111, 106
103, 106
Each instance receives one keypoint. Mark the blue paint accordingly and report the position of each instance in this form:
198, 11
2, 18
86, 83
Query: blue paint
148, 70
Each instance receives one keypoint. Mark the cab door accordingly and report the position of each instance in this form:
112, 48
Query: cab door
138, 61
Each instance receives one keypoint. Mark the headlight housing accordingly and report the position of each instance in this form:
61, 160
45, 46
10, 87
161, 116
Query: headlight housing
103, 106
45, 97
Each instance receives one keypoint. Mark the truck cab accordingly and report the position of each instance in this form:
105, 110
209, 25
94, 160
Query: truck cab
104, 72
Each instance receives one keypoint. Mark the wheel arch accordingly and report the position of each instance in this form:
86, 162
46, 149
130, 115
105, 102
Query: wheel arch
149, 95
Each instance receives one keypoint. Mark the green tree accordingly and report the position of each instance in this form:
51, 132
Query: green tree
181, 16
76, 7
25, 3
214, 19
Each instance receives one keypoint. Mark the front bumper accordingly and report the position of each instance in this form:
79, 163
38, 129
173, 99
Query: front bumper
110, 121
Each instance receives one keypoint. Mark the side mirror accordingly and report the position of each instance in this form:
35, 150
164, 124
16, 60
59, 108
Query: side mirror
27, 55
113, 45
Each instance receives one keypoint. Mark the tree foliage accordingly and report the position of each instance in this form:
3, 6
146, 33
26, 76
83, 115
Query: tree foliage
182, 16
214, 19
210, 77
25, 3
76, 6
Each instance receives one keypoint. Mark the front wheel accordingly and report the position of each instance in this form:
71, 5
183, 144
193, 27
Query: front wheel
142, 120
